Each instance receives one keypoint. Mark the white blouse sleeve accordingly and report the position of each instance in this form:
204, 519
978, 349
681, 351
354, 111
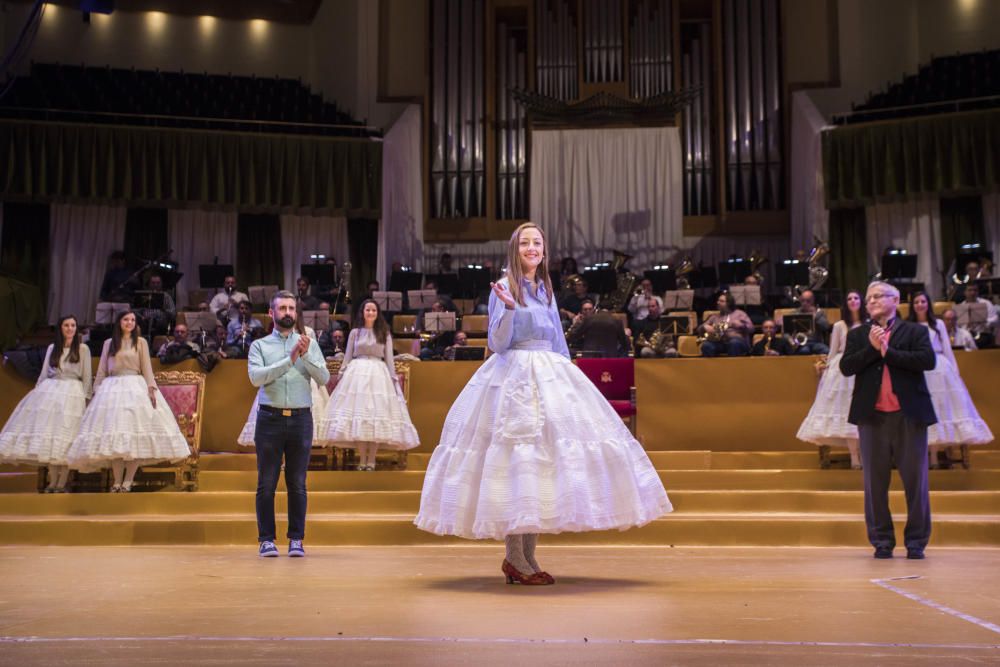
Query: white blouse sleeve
45, 365
838, 338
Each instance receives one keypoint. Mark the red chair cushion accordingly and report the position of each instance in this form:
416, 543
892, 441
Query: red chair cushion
614, 378
623, 408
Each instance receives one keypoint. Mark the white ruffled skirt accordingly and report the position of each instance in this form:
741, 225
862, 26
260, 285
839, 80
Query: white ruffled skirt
319, 401
44, 423
121, 423
826, 423
531, 446
958, 420
366, 406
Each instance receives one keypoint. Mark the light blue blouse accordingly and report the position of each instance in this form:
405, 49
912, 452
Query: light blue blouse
533, 326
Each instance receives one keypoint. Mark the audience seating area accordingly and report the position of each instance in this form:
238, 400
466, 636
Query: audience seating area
175, 99
948, 83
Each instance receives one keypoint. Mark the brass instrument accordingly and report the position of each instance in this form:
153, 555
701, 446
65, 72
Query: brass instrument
800, 339
624, 284
659, 341
344, 293
683, 271
956, 283
717, 332
817, 274
570, 280
757, 261
767, 344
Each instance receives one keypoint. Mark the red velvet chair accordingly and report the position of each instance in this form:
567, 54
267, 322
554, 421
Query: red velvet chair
615, 379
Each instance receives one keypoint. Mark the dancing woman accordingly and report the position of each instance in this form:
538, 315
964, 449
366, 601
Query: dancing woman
826, 423
530, 446
43, 425
958, 422
366, 410
128, 423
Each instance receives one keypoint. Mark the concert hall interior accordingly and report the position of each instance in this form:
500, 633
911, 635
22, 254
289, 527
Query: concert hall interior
672, 289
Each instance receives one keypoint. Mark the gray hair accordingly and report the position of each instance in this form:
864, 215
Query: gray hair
887, 287
281, 294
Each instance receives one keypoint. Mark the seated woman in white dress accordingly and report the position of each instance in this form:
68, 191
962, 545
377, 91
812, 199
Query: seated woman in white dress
128, 423
958, 422
320, 397
826, 423
530, 445
366, 410
43, 425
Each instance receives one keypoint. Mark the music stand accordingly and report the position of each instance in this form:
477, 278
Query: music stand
389, 302
421, 298
108, 311
662, 279
746, 295
319, 274
201, 321
319, 320
404, 281
214, 275
469, 353
682, 299
439, 322
473, 281
733, 271
899, 267
796, 323
972, 316
988, 287
676, 325
788, 275
262, 293
148, 299
447, 283
601, 280
705, 276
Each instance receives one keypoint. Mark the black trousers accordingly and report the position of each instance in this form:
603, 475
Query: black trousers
886, 438
290, 438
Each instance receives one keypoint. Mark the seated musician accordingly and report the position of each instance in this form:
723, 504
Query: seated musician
332, 343
772, 344
638, 306
242, 331
433, 347
597, 333
984, 333
158, 320
727, 331
571, 304
816, 342
225, 304
461, 340
303, 296
182, 348
648, 337
960, 337
118, 284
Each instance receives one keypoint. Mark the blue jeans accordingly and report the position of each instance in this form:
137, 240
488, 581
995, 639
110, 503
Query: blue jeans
290, 438
814, 347
734, 347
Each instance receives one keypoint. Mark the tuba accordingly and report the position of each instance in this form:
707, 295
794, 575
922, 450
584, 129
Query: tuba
817, 274
757, 261
683, 271
624, 283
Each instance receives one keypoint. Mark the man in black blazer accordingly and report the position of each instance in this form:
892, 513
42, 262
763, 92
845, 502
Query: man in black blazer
892, 410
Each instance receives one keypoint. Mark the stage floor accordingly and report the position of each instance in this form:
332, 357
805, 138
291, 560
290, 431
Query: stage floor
449, 605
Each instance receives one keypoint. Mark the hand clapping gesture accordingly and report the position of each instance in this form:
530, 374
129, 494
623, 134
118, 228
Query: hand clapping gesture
879, 338
301, 348
503, 295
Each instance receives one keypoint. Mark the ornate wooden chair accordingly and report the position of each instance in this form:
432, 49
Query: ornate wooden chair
184, 392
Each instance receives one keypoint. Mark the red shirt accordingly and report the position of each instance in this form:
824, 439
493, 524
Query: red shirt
887, 400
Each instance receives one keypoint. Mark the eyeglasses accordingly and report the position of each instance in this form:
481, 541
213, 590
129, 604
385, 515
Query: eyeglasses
877, 296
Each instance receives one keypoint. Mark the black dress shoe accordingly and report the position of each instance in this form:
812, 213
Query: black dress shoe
883, 552
915, 554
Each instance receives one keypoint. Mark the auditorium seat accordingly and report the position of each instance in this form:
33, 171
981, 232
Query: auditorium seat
904, 310
687, 346
615, 379
400, 324
464, 306
941, 306
475, 325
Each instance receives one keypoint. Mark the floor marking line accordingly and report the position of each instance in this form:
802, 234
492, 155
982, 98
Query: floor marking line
496, 640
975, 620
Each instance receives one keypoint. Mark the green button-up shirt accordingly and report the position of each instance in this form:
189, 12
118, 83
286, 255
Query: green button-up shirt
282, 383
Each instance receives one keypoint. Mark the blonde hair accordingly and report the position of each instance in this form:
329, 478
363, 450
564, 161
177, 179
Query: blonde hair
514, 271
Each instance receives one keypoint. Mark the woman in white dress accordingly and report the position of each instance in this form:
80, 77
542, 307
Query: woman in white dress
128, 423
320, 397
530, 446
826, 423
43, 425
367, 410
958, 422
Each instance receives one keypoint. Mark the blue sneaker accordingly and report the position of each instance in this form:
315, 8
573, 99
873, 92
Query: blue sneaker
268, 550
295, 549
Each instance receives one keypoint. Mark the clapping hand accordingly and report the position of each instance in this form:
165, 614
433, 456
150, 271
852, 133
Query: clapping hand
879, 338
301, 348
503, 295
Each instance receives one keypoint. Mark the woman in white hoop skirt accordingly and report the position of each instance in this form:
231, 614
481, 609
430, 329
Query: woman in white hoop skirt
826, 423
367, 410
320, 396
530, 446
43, 425
958, 422
128, 423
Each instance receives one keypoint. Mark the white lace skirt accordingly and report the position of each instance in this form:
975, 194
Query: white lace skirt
826, 423
365, 406
958, 420
44, 423
531, 446
319, 401
121, 423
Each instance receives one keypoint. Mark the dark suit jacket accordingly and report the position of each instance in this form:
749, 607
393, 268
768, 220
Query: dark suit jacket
909, 355
600, 332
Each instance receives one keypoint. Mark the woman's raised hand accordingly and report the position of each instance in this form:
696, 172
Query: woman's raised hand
503, 294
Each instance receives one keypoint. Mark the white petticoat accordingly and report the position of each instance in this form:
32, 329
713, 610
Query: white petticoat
958, 420
319, 400
826, 423
121, 423
365, 406
531, 446
44, 423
